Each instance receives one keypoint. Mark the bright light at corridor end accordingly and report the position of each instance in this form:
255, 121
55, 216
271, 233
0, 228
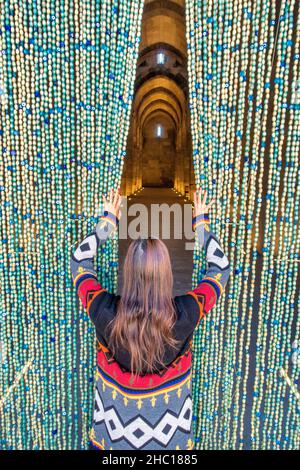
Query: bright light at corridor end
160, 58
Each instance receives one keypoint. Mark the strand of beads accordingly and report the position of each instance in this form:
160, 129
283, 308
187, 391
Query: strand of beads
210, 23
263, 70
251, 172
267, 324
215, 28
292, 356
195, 20
242, 80
274, 436
31, 197
38, 87
69, 208
202, 349
284, 297
3, 324
18, 332
55, 402
7, 330
225, 109
82, 82
61, 374
219, 170
283, 293
248, 317
237, 43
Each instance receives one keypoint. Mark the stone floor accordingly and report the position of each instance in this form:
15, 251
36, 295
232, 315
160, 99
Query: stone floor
182, 259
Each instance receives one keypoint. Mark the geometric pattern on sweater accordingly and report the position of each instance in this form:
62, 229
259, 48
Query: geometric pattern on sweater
206, 294
139, 431
87, 248
134, 394
107, 362
176, 375
215, 254
143, 412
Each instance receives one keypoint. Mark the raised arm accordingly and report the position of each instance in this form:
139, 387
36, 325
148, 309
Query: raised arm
82, 259
212, 285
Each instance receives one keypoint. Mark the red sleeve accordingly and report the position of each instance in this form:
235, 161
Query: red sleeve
87, 290
206, 296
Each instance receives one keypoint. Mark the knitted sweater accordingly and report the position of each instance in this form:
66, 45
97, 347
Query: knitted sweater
150, 411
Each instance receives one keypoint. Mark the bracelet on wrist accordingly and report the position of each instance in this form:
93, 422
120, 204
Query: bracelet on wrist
110, 217
200, 219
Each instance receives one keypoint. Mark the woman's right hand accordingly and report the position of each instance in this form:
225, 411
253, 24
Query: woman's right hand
200, 206
112, 202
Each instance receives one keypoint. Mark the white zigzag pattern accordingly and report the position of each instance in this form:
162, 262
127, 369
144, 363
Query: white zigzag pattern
213, 245
117, 430
81, 255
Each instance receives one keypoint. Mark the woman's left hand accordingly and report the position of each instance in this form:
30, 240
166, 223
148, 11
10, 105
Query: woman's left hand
112, 202
200, 205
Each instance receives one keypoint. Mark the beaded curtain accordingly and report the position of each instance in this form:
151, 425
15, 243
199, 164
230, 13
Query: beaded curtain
67, 77
243, 67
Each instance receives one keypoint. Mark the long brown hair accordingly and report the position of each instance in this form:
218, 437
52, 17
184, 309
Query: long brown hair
145, 313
